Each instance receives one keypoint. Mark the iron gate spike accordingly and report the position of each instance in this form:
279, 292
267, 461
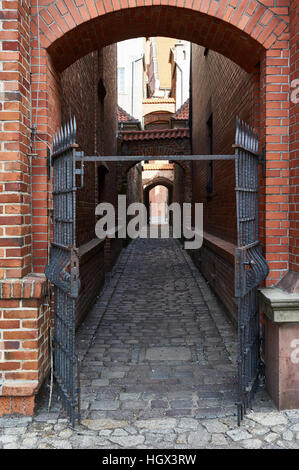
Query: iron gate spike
246, 282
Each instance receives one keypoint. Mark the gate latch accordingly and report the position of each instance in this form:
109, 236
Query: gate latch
262, 160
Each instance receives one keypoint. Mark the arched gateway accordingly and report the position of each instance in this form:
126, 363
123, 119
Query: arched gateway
38, 43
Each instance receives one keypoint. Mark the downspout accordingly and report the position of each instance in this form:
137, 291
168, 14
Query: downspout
190, 101
181, 71
132, 92
155, 64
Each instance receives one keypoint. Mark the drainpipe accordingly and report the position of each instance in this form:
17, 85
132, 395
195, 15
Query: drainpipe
132, 92
155, 65
190, 99
181, 71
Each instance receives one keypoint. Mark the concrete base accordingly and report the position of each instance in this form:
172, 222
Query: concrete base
281, 311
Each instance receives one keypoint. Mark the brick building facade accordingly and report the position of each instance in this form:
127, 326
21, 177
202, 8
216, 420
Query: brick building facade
37, 47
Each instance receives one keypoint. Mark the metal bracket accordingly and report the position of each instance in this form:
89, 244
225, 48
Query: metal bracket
262, 160
79, 156
49, 163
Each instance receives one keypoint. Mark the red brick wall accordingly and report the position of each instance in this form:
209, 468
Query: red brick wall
224, 89
154, 147
92, 277
96, 124
24, 340
251, 32
15, 140
294, 137
178, 184
221, 88
134, 185
79, 98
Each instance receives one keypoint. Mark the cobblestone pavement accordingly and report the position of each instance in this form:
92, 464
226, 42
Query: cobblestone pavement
158, 368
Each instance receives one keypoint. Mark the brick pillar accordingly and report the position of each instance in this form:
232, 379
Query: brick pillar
24, 342
15, 134
22, 315
294, 136
274, 133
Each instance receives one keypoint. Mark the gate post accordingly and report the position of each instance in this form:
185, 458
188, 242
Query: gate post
250, 266
63, 269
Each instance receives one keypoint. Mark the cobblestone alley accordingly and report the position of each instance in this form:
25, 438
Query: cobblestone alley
158, 368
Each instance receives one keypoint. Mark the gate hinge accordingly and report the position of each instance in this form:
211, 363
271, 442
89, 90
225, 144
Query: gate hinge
262, 160
49, 163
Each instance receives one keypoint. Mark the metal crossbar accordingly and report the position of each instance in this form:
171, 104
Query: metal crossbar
250, 266
63, 269
138, 158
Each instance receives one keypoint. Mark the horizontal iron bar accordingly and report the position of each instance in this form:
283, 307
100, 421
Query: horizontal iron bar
247, 219
137, 158
64, 191
246, 190
65, 221
63, 247
248, 247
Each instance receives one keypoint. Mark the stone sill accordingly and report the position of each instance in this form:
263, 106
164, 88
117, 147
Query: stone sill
279, 306
223, 248
32, 286
89, 246
21, 389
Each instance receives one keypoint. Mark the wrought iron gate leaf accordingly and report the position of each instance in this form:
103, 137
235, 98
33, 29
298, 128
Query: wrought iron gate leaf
63, 269
250, 266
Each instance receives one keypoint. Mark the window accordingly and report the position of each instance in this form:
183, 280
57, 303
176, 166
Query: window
210, 172
101, 183
121, 79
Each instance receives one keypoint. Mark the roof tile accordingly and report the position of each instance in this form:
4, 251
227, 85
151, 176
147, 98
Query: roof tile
180, 133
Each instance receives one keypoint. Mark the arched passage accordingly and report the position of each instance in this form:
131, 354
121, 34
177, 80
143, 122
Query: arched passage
249, 34
158, 181
235, 34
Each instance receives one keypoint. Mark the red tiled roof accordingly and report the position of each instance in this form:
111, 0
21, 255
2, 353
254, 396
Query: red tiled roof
123, 116
183, 111
155, 134
158, 100
158, 166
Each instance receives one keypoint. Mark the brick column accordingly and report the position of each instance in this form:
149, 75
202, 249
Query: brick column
294, 136
23, 316
24, 342
274, 134
15, 219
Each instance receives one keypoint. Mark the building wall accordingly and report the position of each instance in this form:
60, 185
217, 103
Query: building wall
128, 54
96, 130
171, 146
157, 147
225, 98
248, 34
294, 136
180, 64
134, 184
224, 90
158, 201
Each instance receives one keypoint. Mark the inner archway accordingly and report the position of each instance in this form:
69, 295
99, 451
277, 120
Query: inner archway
60, 39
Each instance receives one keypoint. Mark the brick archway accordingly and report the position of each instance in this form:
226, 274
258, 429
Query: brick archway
254, 36
159, 180
251, 33
240, 32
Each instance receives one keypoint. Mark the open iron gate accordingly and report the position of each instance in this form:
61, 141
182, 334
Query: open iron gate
63, 269
250, 266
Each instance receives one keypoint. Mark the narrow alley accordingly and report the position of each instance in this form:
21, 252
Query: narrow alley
157, 368
157, 350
